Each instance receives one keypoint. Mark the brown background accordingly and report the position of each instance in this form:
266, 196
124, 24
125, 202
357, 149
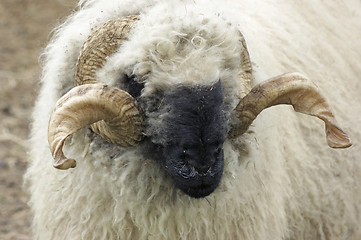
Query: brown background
25, 27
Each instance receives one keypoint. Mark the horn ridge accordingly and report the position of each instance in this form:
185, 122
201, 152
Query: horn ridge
94, 103
100, 44
293, 89
112, 113
245, 69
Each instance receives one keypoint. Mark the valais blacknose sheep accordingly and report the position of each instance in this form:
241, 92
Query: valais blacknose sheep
152, 105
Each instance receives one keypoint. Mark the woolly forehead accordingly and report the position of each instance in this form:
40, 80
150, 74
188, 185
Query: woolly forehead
180, 46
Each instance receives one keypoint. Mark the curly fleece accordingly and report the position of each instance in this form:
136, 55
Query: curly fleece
280, 179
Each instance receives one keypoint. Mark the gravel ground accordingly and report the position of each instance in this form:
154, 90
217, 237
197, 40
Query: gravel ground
25, 27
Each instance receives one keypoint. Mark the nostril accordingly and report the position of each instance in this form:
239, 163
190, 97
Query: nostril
203, 168
200, 164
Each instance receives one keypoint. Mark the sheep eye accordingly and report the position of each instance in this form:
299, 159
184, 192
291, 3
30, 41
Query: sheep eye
133, 87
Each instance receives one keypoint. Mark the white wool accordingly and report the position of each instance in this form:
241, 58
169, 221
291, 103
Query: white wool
280, 181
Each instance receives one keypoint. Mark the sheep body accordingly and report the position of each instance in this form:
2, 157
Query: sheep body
280, 179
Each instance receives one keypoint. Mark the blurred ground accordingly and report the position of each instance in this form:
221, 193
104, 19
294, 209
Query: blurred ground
24, 30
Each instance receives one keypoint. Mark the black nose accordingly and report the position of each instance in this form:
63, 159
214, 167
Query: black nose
202, 167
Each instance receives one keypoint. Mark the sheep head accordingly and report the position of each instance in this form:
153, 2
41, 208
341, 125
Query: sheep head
189, 140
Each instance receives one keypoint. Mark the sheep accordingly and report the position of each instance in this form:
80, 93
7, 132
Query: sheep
274, 179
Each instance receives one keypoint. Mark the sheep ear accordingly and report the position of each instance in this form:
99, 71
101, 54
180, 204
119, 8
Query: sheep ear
296, 90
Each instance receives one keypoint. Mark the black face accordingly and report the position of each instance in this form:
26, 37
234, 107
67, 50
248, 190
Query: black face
189, 140
194, 133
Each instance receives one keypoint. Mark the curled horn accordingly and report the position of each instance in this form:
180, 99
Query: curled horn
90, 103
296, 90
245, 73
100, 44
112, 113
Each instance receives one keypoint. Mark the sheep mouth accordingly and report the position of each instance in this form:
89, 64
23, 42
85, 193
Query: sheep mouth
201, 191
192, 182
199, 185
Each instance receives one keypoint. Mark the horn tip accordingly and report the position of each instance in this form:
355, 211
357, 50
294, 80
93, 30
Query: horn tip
345, 143
337, 138
64, 164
